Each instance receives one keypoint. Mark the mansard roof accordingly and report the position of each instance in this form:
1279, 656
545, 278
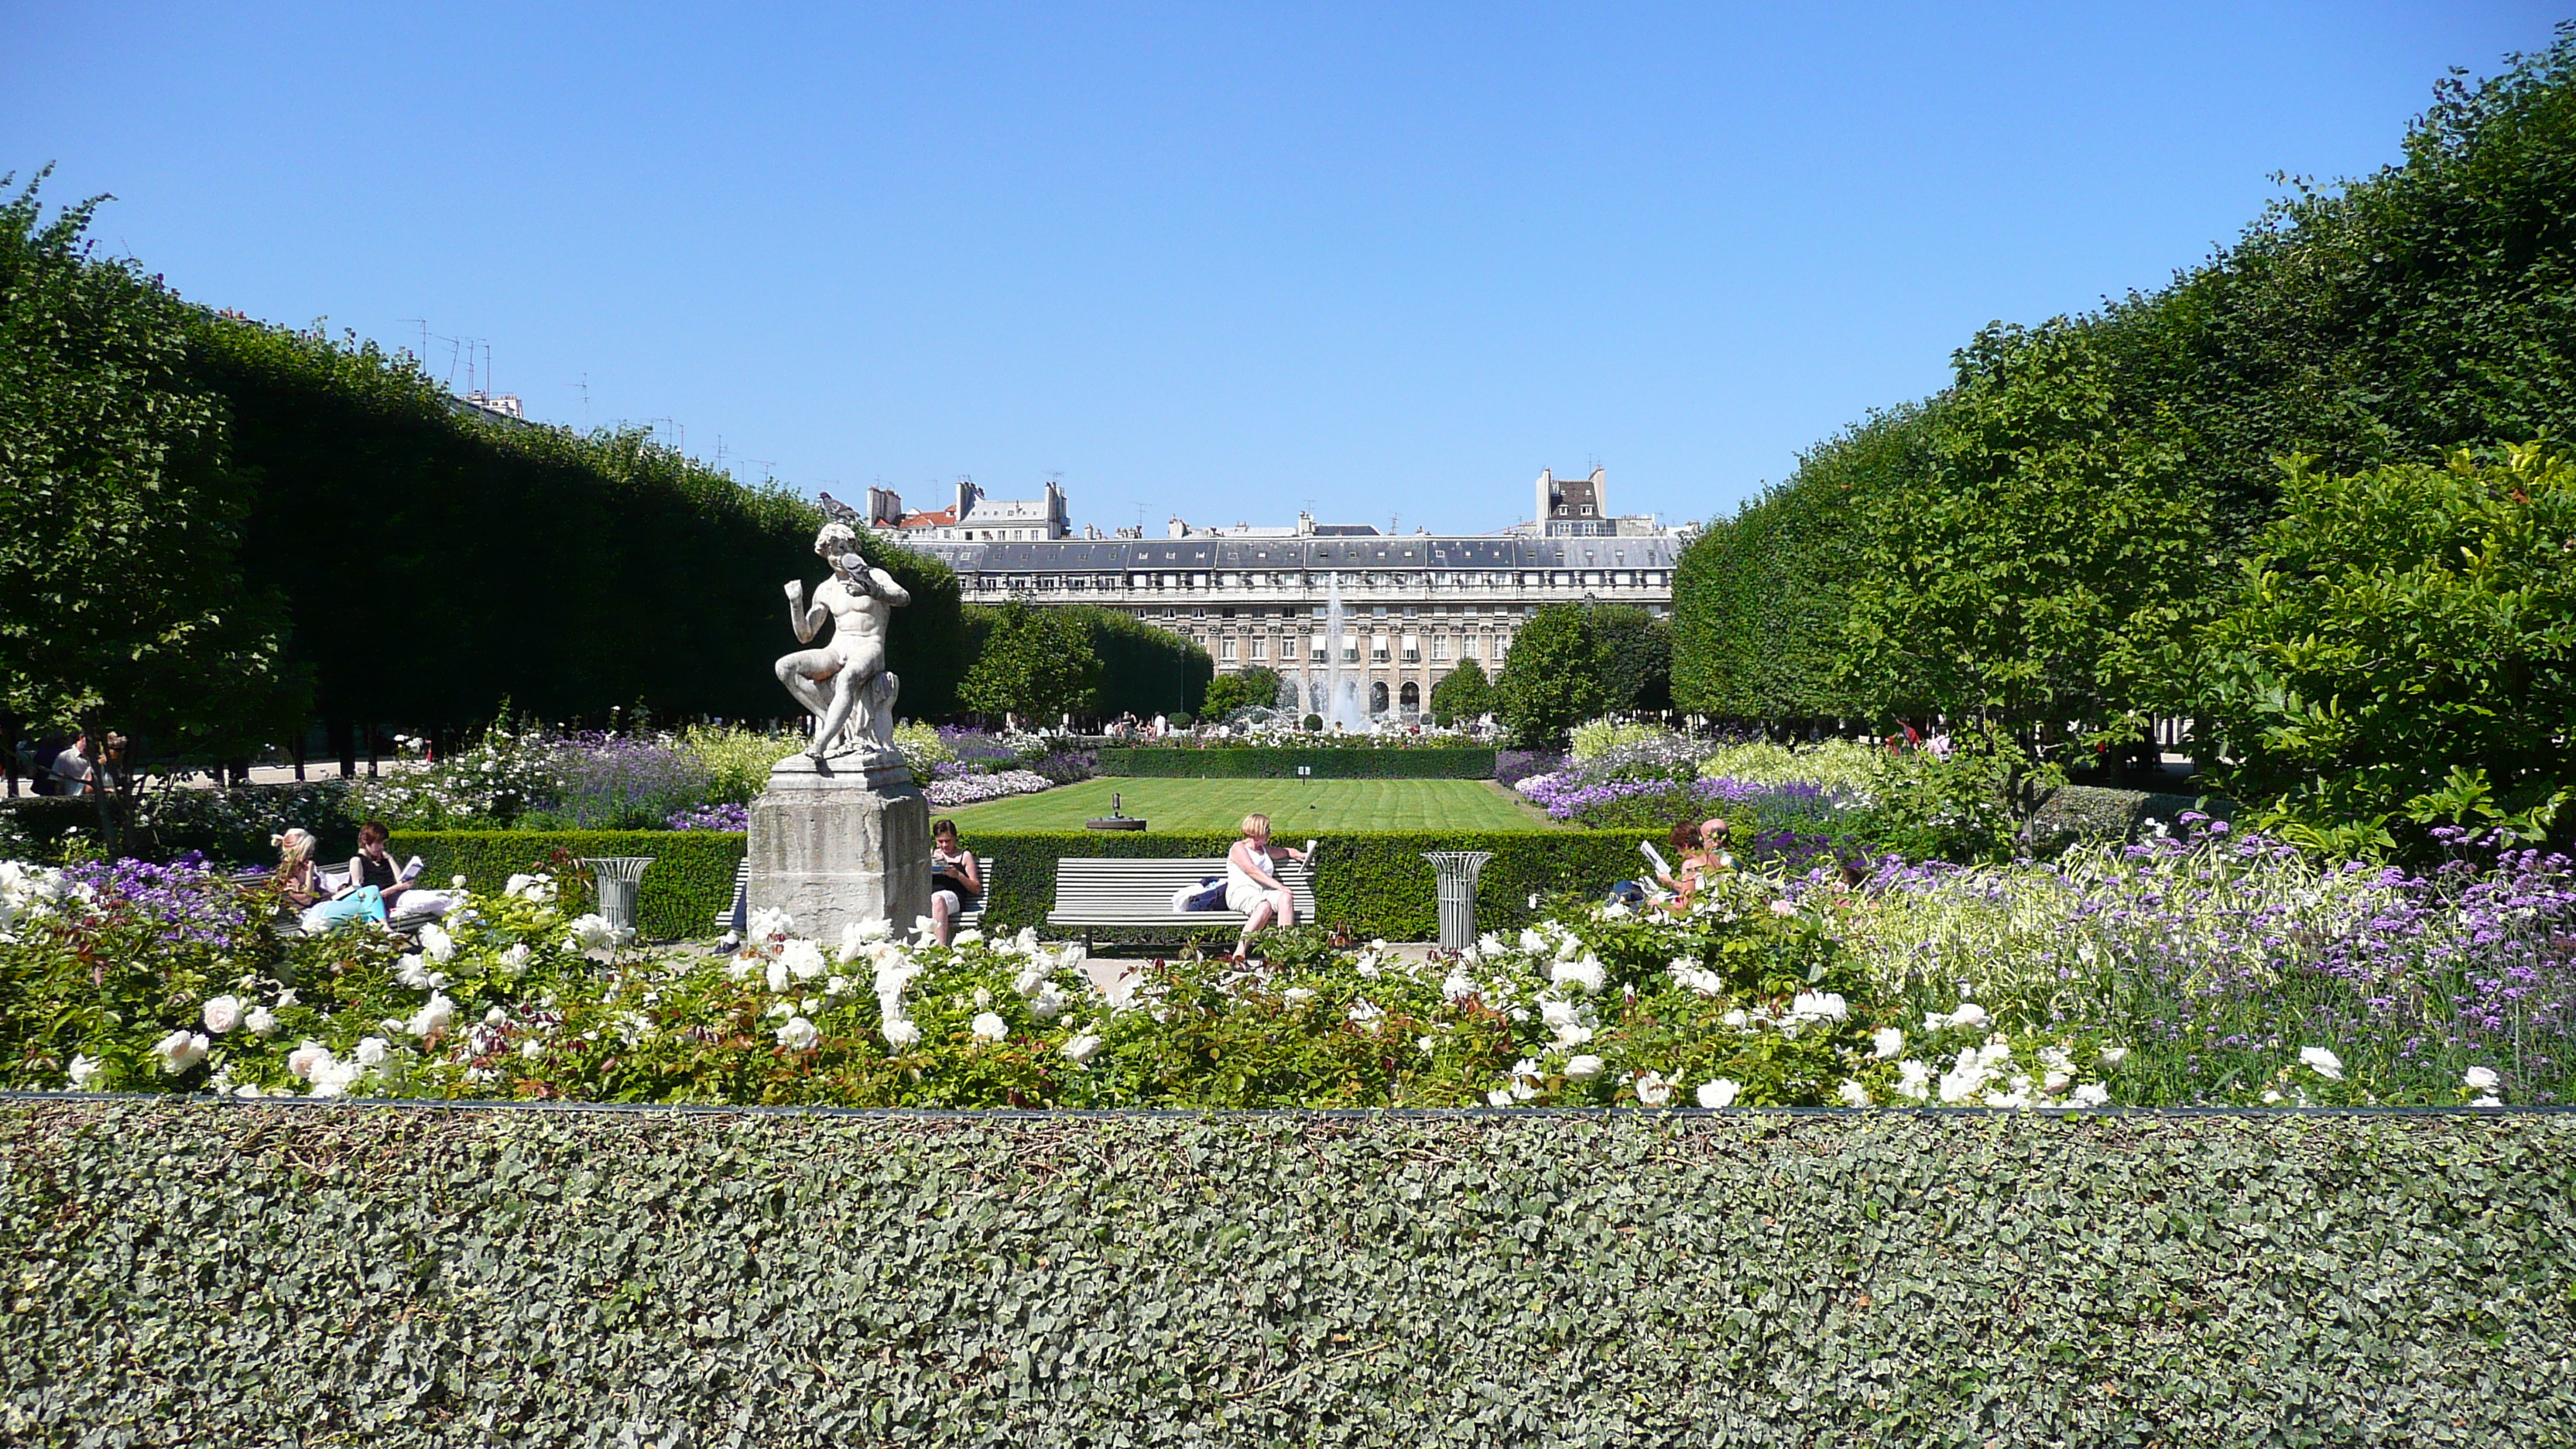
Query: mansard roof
1419, 551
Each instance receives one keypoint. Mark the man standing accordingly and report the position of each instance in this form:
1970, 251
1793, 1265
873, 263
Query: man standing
840, 683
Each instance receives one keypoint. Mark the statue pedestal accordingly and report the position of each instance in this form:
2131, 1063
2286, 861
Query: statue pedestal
845, 841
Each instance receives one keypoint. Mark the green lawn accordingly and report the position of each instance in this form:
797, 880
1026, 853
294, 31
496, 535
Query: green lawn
1296, 808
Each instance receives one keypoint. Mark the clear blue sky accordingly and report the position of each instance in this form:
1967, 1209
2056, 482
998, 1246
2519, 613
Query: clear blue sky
1213, 260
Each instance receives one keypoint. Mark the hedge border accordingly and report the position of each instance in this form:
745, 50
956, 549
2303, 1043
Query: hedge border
1264, 763
361, 1273
1372, 885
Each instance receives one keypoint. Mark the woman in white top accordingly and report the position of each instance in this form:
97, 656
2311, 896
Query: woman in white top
1252, 883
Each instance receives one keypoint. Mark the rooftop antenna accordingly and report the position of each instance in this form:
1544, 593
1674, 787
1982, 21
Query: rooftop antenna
584, 385
423, 324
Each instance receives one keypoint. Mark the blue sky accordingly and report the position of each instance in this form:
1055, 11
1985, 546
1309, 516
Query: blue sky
1228, 262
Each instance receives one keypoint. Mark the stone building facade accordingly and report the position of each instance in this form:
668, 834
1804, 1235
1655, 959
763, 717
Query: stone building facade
1412, 605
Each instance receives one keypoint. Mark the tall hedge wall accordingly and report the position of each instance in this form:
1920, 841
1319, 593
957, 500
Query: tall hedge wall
569, 574
208, 1272
1325, 763
1372, 885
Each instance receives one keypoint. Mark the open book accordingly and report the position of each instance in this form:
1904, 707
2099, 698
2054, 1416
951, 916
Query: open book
410, 872
1654, 857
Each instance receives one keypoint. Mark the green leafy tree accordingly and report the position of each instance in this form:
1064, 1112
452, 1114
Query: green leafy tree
1037, 663
122, 602
2051, 554
2404, 652
1636, 657
1552, 680
1462, 695
1257, 686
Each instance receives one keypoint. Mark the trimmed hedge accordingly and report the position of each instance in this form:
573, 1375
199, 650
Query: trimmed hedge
690, 879
1223, 763
1371, 885
262, 1273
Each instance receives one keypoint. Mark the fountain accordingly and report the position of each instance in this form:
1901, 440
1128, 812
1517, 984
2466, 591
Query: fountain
1342, 706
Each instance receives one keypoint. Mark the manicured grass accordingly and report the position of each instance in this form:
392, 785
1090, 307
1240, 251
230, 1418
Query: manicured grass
1296, 808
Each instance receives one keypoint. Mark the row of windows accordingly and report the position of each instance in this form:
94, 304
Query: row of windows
1553, 579
1377, 649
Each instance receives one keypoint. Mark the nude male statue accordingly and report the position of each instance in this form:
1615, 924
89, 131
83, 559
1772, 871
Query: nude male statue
844, 683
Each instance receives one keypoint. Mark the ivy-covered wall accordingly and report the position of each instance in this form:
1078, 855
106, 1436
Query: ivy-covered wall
257, 1273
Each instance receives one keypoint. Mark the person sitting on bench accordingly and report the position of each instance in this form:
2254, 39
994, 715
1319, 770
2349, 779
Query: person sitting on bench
955, 879
1252, 883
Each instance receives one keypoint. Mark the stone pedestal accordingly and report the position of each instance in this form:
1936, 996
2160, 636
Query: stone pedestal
847, 840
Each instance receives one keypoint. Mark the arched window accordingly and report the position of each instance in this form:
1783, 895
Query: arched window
1411, 697
1377, 697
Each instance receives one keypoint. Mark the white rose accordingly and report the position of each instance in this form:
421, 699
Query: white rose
2056, 1081
514, 960
436, 943
373, 1051
456, 882
85, 1070
2112, 1056
1587, 973
1852, 1093
591, 932
1969, 1014
179, 1051
799, 1034
2480, 1079
1886, 1042
432, 1018
261, 1021
778, 975
222, 1013
901, 1032
1583, 1068
1825, 1005
1654, 1089
1534, 943
1079, 1050
2091, 1094
334, 1077
803, 959
989, 1026
531, 1049
1048, 1004
1298, 995
1720, 1093
301, 1061
2488, 1102
1498, 1097
1784, 908
413, 972
2323, 1062
966, 938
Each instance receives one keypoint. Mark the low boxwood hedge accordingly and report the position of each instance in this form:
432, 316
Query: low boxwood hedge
689, 881
257, 1273
1263, 763
1372, 885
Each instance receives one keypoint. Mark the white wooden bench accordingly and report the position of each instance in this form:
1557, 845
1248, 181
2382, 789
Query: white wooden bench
1136, 892
736, 918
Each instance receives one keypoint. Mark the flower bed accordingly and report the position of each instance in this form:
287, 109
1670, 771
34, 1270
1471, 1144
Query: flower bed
2219, 971
952, 791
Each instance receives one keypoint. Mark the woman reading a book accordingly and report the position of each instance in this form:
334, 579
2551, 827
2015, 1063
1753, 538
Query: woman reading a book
301, 887
1252, 883
372, 867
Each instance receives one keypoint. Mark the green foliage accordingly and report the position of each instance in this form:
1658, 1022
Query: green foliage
1972, 804
1254, 687
1552, 680
688, 883
738, 758
1322, 763
123, 603
1636, 657
649, 577
1462, 696
2404, 650
1369, 885
1036, 663
1300, 1280
2052, 547
1759, 601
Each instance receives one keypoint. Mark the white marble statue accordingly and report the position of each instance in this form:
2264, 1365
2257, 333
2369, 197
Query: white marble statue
845, 683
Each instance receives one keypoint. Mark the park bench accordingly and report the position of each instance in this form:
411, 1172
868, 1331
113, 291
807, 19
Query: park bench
1136, 893
736, 918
